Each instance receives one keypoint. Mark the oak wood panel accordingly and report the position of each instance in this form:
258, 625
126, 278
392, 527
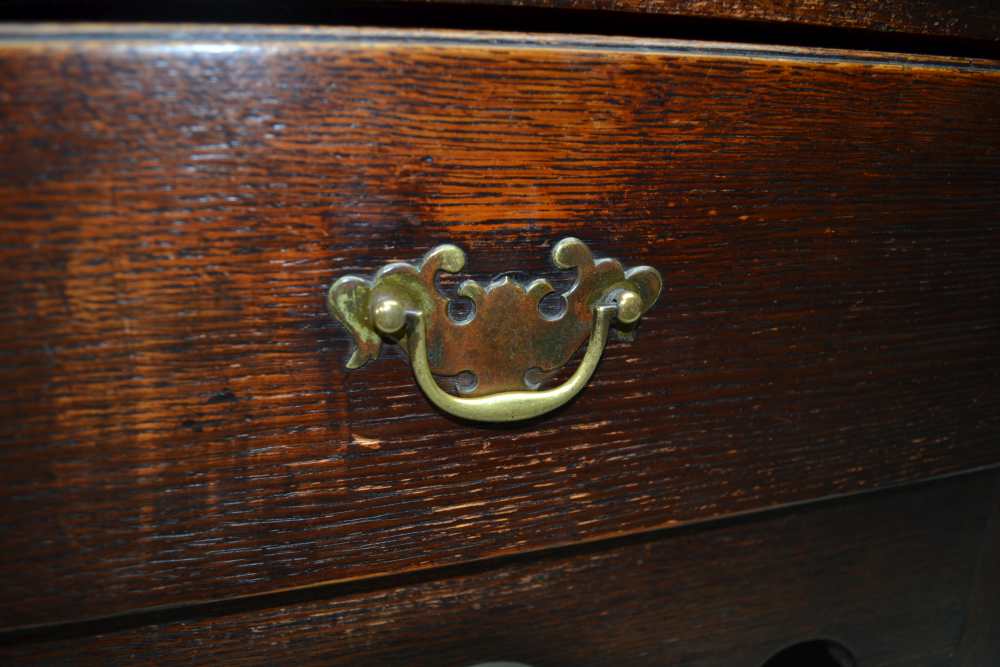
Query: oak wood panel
177, 422
887, 575
979, 19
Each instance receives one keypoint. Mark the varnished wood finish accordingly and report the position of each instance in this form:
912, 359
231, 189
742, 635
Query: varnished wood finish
178, 424
887, 575
979, 19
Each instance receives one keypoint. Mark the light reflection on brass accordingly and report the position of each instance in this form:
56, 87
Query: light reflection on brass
507, 344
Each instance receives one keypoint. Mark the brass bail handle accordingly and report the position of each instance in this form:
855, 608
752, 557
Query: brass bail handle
505, 338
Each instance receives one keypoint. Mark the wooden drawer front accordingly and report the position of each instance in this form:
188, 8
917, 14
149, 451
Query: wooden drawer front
886, 575
179, 422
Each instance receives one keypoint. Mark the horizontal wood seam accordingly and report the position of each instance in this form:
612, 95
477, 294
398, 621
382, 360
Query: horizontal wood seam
148, 616
49, 36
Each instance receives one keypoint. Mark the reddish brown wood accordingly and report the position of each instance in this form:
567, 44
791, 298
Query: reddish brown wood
979, 19
178, 424
881, 24
887, 575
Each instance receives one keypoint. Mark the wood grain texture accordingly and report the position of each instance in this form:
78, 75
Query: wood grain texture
979, 19
177, 421
887, 575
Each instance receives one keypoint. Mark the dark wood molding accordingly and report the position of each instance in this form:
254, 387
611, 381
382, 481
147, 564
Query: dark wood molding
886, 575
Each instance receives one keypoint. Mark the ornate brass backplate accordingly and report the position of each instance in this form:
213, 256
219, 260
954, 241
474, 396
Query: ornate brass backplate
507, 344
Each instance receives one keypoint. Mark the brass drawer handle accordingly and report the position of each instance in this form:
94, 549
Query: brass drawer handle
507, 344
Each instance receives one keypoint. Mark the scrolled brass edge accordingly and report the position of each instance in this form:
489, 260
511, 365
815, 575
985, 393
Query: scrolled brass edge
401, 304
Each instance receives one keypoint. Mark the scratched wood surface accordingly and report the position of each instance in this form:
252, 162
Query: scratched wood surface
886, 575
177, 422
979, 19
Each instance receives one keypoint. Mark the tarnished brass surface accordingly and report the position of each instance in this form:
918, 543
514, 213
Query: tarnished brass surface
505, 338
